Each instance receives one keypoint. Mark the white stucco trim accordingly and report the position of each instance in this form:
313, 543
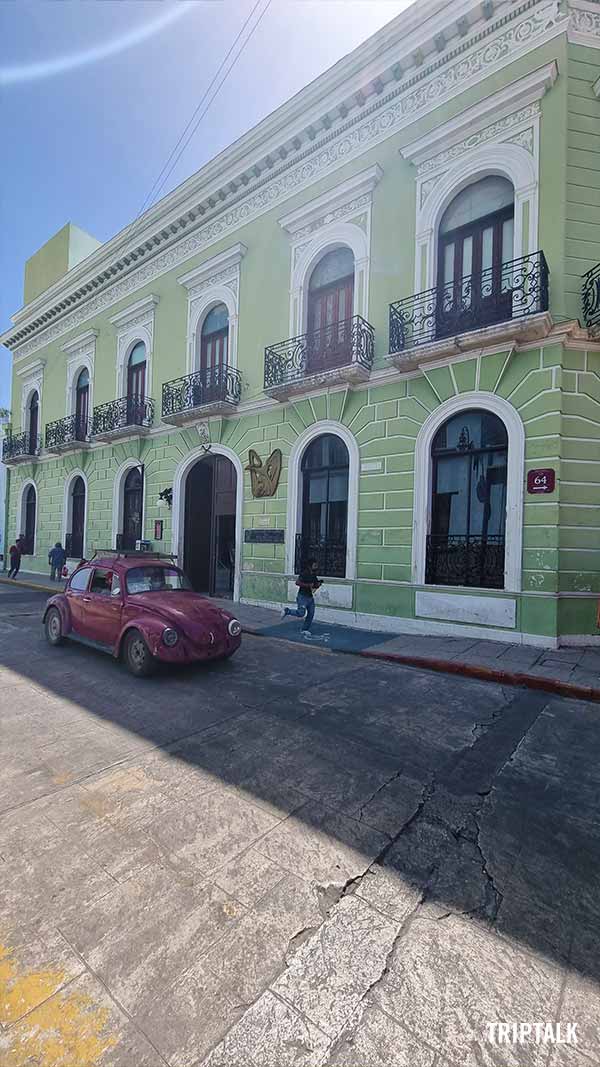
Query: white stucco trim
32, 382
178, 524
117, 507
294, 497
21, 511
304, 260
514, 481
135, 323
511, 161
216, 281
68, 507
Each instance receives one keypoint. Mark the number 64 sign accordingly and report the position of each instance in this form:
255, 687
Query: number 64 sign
541, 481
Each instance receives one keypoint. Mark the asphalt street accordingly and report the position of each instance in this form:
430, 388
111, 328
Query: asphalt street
297, 858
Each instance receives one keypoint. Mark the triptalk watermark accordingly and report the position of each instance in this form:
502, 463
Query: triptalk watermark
532, 1033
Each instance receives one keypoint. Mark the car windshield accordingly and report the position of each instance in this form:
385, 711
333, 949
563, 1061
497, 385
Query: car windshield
152, 579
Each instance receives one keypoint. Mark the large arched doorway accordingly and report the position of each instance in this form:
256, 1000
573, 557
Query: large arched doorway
324, 514
75, 536
475, 254
133, 500
29, 517
209, 526
466, 544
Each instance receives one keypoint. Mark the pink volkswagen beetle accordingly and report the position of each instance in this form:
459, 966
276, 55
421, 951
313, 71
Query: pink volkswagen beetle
141, 608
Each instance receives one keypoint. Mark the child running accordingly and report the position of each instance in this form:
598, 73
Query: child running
306, 581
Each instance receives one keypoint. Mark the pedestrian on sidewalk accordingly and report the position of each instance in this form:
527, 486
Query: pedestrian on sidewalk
307, 582
15, 559
57, 557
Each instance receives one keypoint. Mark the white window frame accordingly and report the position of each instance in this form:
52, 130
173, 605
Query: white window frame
294, 501
216, 281
82, 355
33, 382
135, 323
118, 487
514, 482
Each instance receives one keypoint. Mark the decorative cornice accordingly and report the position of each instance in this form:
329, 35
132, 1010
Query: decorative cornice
584, 24
214, 268
84, 342
513, 32
503, 106
356, 188
32, 369
135, 312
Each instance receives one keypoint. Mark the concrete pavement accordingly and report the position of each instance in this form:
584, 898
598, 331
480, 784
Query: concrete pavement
293, 859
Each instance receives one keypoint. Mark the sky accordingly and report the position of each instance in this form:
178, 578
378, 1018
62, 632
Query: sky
95, 94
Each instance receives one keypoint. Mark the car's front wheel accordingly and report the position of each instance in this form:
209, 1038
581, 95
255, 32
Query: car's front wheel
137, 655
53, 627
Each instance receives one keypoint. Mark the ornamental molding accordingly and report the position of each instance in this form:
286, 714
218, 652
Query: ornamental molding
488, 50
584, 24
333, 204
214, 271
82, 343
135, 323
37, 367
140, 312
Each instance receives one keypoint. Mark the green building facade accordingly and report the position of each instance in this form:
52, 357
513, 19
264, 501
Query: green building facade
365, 333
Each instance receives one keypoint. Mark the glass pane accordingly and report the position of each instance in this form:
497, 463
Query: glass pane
488, 495
467, 263
335, 265
450, 501
83, 379
471, 430
508, 229
449, 263
338, 486
138, 354
317, 488
217, 319
487, 248
476, 201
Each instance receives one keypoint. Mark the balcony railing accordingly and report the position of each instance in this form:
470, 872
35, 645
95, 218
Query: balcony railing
511, 291
330, 556
590, 294
453, 559
129, 412
73, 430
348, 344
206, 388
20, 446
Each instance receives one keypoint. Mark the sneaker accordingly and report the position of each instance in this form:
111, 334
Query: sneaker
283, 614
306, 633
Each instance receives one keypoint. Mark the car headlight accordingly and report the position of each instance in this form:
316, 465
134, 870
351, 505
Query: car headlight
170, 637
234, 628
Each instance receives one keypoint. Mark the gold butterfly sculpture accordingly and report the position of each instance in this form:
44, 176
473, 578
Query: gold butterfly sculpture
264, 480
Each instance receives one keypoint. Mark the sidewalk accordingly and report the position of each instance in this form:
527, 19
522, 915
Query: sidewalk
573, 672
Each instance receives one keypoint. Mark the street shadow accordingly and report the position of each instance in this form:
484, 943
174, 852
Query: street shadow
484, 800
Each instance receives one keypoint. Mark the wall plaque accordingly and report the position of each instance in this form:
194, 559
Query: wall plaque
264, 537
541, 481
264, 479
158, 529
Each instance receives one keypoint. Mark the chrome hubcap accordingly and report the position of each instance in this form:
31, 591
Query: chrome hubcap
54, 626
137, 652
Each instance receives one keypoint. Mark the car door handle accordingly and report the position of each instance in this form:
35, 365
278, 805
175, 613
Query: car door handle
87, 599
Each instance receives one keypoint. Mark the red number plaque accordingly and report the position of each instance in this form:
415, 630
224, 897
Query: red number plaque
541, 481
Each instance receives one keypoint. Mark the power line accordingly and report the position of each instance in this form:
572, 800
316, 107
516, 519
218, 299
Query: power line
200, 111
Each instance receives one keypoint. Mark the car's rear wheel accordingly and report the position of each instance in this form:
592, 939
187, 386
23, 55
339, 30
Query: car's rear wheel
137, 655
53, 627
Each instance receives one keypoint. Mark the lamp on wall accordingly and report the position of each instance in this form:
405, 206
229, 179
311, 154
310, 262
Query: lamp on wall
166, 497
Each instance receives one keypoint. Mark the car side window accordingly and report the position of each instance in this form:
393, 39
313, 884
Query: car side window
79, 580
101, 582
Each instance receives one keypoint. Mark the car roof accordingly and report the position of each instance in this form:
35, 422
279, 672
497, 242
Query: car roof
124, 563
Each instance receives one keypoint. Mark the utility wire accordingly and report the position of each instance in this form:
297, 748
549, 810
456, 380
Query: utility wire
200, 111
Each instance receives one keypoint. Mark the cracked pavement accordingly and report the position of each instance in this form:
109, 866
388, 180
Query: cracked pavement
294, 859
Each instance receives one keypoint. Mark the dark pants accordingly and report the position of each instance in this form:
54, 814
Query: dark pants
15, 565
306, 607
54, 572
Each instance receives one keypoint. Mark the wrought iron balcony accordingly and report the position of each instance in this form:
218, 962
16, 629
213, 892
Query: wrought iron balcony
590, 295
68, 434
330, 556
464, 560
341, 352
512, 291
129, 416
20, 447
215, 390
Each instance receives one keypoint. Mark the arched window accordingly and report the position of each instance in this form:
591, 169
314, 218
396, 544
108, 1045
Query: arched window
324, 521
475, 248
82, 397
214, 341
136, 384
30, 506
330, 309
468, 505
133, 493
74, 540
33, 418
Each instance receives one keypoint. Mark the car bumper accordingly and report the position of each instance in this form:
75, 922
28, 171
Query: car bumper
185, 651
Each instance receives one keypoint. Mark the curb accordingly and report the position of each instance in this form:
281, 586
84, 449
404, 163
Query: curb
24, 583
468, 670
